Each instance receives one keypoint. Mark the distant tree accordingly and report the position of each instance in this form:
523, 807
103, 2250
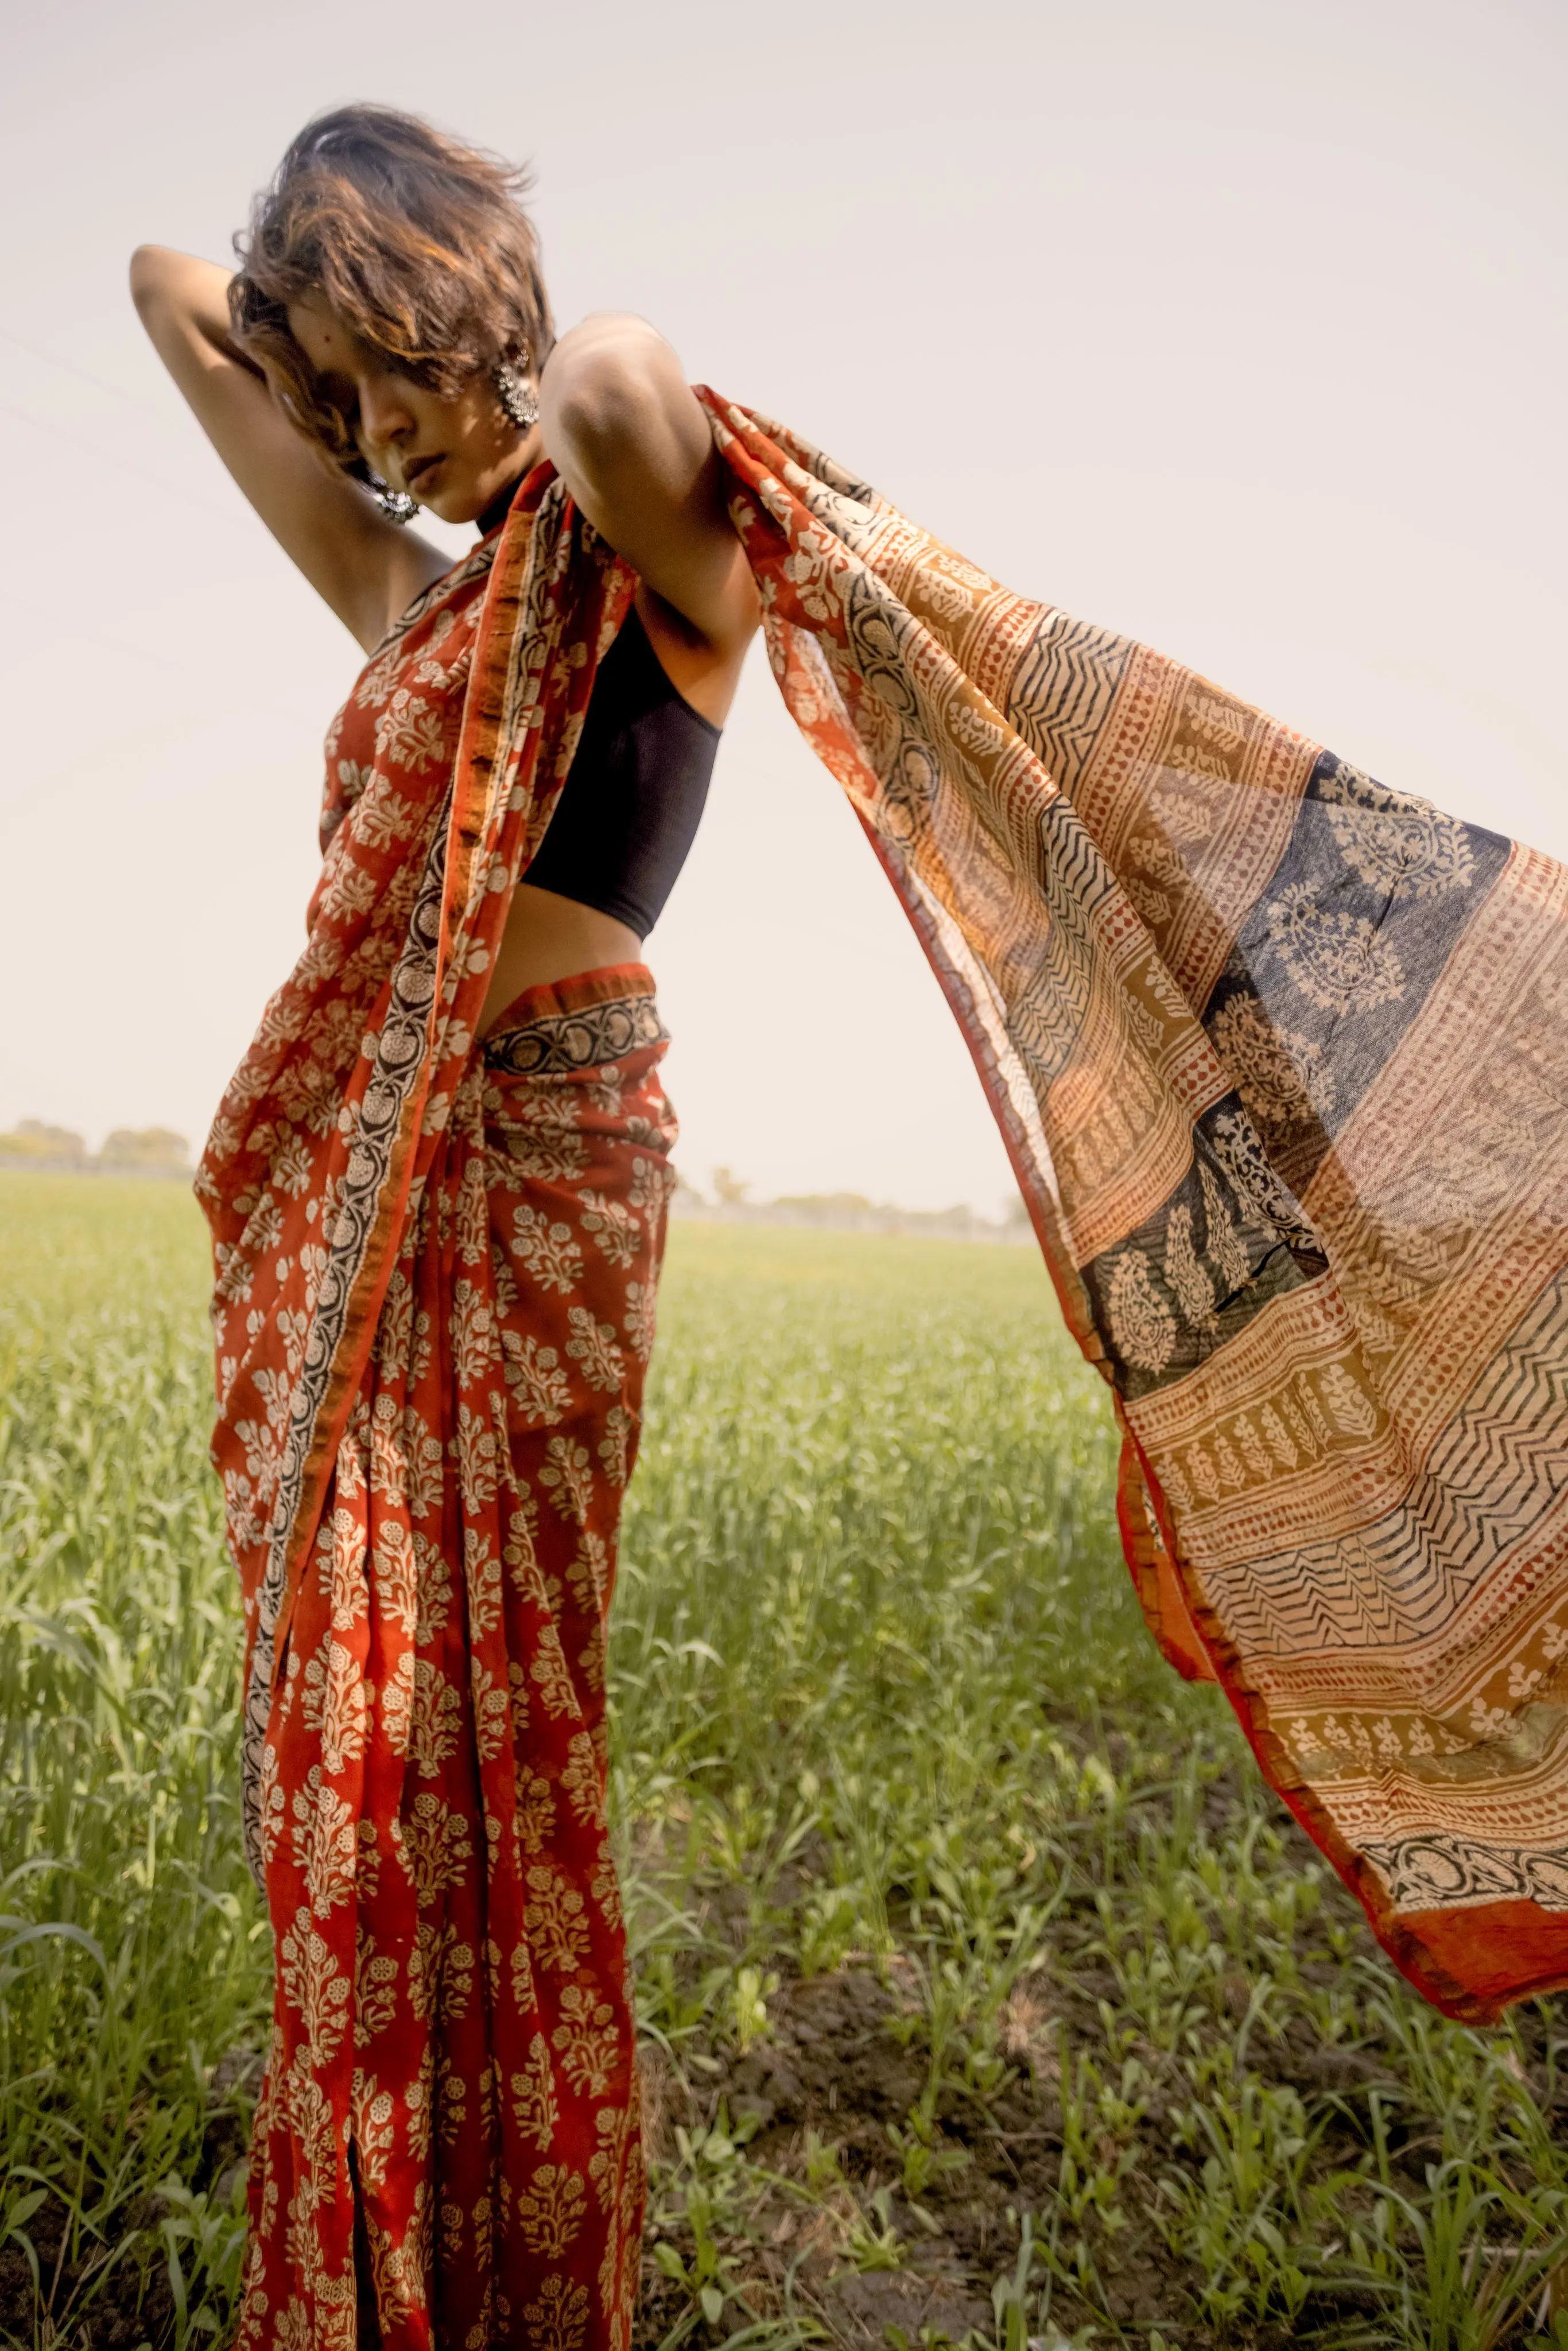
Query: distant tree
132, 1149
729, 1187
827, 1205
33, 1139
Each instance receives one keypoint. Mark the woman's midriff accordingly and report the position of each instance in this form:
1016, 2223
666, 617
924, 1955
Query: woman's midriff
570, 992
548, 938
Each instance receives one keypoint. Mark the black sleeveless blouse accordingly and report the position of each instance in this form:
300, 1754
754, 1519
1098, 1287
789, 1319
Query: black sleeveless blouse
629, 809
632, 799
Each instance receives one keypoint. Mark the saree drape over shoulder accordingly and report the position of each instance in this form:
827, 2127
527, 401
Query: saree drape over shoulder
1279, 1060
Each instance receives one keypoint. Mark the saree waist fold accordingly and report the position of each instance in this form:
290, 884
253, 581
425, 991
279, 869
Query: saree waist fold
452, 2036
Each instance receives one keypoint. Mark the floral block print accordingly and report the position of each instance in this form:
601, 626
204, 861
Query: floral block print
452, 2047
1279, 1058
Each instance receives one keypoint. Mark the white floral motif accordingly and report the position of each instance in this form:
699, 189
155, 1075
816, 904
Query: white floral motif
548, 1249
397, 1710
1193, 1289
1183, 814
540, 1389
340, 1567
434, 1846
1278, 1437
551, 1675
383, 815
483, 1461
592, 1344
1393, 843
1339, 962
617, 1231
335, 1704
946, 598
474, 1340
324, 1840
1239, 1151
1352, 1411
521, 1555
409, 732
970, 729
1157, 858
556, 1921
1153, 905
1142, 1324
566, 1479
806, 567
437, 1722
1282, 1077
271, 1802
490, 1712
314, 1987
1225, 1244
652, 1181
548, 1148
349, 894
533, 2093
482, 1581
642, 1304
614, 1447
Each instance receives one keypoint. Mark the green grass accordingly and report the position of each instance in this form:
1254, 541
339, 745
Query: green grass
987, 1993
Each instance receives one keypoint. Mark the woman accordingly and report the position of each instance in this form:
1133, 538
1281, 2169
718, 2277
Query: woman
1278, 1055
434, 1303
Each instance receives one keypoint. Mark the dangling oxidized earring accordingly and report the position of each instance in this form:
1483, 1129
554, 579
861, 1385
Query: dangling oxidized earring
515, 392
396, 505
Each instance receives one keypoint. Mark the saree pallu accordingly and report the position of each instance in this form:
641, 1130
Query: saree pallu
1281, 1062
453, 2044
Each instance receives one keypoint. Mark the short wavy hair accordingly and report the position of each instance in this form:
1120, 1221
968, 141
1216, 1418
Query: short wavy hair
420, 243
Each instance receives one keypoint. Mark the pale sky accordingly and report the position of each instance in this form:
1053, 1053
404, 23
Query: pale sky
1238, 327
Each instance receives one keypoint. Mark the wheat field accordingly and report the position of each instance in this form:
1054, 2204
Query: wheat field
987, 1997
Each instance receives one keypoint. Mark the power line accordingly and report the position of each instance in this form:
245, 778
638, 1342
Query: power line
121, 465
84, 375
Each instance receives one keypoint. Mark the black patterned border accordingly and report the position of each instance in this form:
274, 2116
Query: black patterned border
1436, 1872
564, 1041
400, 1056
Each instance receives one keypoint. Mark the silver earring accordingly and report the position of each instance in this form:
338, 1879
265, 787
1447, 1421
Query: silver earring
396, 505
515, 393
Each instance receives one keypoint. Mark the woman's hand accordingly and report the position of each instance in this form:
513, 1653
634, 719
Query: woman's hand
633, 445
368, 570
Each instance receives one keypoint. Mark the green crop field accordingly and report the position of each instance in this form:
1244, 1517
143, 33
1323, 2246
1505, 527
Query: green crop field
988, 1997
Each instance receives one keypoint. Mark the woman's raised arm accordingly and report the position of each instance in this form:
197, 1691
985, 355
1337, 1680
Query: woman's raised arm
633, 443
364, 566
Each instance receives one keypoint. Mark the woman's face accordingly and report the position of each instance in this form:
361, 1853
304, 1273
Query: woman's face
452, 455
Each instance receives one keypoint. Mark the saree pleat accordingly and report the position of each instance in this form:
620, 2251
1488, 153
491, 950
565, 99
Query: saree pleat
437, 1264
453, 2020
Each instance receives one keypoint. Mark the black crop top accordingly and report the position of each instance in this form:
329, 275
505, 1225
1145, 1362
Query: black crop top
629, 809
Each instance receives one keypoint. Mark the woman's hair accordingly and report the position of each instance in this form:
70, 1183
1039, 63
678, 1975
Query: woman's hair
421, 243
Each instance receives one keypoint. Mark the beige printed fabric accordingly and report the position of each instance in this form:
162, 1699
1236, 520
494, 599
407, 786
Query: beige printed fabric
1280, 1059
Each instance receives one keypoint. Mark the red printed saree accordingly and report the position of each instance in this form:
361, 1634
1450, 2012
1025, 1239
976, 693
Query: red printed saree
1279, 1059
438, 1266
